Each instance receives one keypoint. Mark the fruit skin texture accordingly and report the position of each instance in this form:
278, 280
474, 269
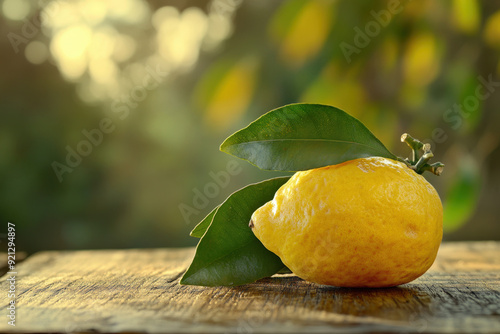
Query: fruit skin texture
369, 222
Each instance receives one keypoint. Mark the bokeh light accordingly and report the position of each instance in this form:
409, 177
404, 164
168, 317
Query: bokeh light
16, 9
36, 52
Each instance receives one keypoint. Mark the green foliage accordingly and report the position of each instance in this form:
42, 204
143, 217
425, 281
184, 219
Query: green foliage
229, 253
304, 136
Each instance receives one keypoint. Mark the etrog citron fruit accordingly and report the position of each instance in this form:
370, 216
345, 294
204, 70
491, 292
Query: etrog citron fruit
369, 222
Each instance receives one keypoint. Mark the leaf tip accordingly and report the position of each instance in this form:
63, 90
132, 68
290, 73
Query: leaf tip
223, 146
184, 279
196, 233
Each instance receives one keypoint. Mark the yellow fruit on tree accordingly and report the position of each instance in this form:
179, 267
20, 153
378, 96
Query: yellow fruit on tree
369, 222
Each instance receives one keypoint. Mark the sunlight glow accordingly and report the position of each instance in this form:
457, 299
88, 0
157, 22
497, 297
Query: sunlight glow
180, 35
69, 48
72, 68
219, 28
16, 9
128, 11
125, 48
103, 42
103, 70
59, 15
107, 45
93, 11
164, 14
71, 43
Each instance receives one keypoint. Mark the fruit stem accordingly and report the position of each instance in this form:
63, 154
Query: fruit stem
414, 144
436, 168
420, 163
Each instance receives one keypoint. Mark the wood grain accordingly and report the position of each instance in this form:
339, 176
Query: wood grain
138, 291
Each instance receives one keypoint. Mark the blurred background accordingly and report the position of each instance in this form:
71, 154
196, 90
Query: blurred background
113, 110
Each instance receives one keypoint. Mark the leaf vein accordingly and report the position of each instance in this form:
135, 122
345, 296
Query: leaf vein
305, 140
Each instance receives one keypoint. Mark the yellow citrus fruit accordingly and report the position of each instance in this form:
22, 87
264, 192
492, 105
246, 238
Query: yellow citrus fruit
369, 222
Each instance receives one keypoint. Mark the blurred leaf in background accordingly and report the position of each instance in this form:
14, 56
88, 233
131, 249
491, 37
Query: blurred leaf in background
225, 92
463, 195
466, 16
300, 28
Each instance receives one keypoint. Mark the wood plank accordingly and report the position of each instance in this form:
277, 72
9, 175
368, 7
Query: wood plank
138, 291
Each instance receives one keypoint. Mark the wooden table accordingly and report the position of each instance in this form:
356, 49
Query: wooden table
138, 291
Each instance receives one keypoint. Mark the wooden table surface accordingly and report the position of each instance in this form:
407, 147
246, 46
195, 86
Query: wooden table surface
138, 291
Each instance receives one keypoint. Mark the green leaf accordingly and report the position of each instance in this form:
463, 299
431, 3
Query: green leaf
202, 226
229, 253
304, 136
